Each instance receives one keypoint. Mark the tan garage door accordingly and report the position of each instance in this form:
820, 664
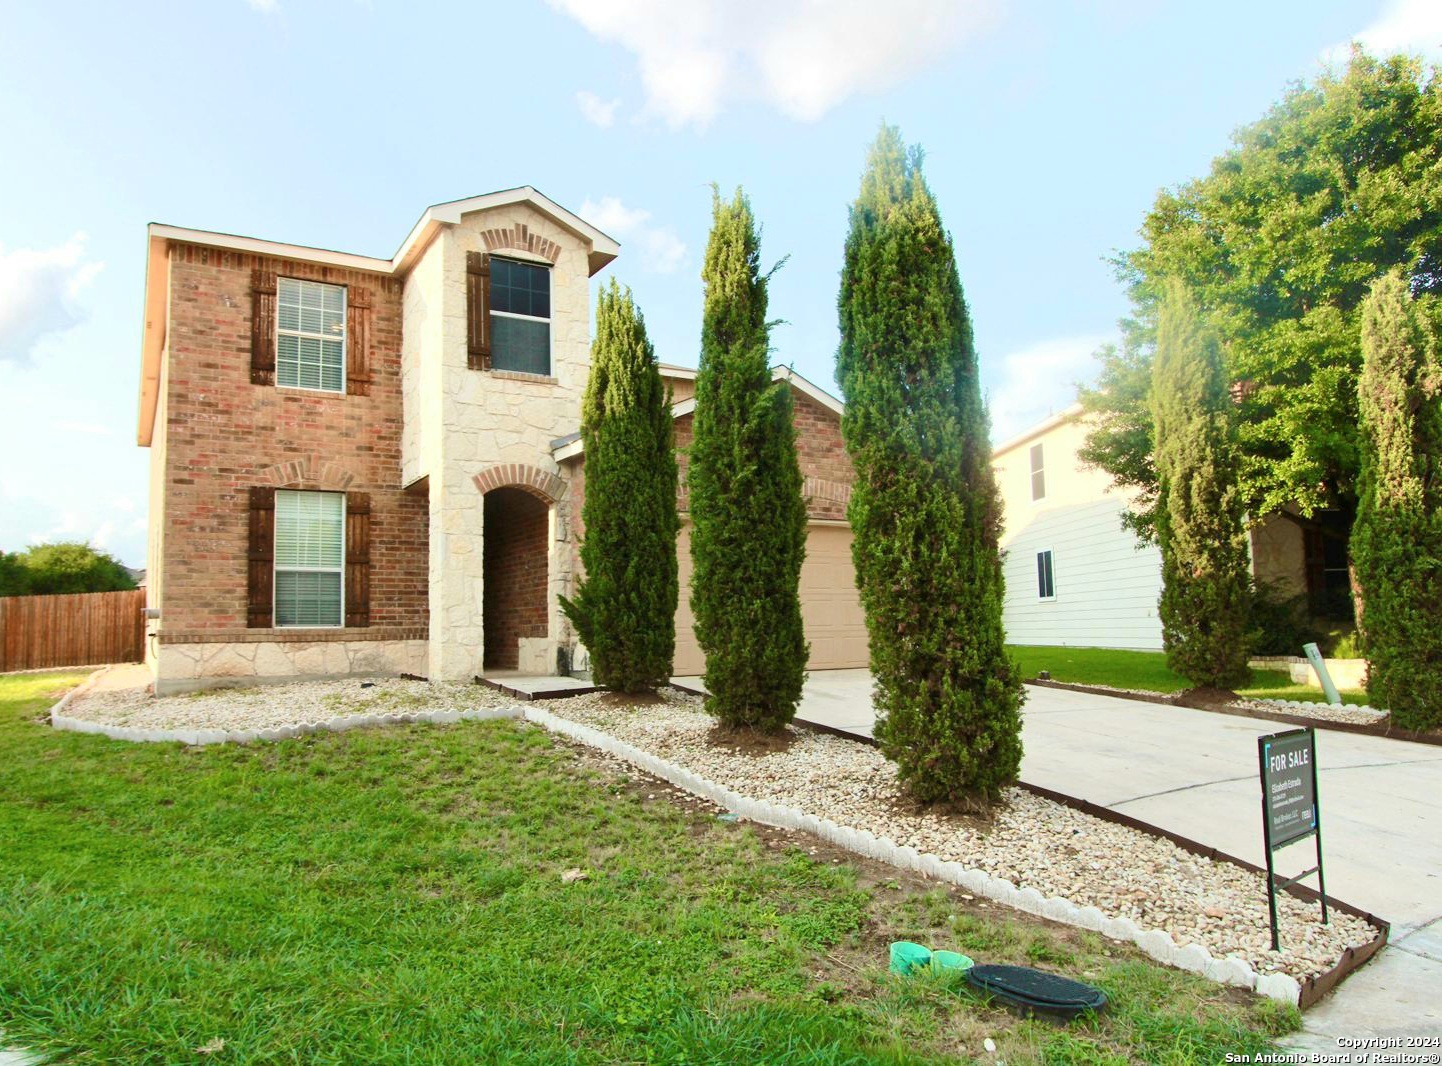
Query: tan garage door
830, 607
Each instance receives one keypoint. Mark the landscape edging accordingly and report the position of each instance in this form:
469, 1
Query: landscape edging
1156, 943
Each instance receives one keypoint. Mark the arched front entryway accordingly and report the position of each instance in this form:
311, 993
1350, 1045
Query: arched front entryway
517, 553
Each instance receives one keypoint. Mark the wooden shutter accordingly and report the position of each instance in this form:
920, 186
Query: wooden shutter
357, 559
478, 310
261, 558
262, 326
358, 341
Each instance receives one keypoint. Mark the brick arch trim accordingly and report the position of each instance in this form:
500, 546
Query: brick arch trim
546, 486
308, 472
521, 238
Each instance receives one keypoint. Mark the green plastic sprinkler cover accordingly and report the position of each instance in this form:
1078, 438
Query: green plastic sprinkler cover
950, 961
907, 957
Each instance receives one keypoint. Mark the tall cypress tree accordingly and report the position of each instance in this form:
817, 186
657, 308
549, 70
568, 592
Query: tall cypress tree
748, 518
925, 510
1397, 539
625, 607
1201, 524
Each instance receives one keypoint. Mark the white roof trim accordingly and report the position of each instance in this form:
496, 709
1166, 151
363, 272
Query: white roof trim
1045, 426
671, 370
681, 408
278, 249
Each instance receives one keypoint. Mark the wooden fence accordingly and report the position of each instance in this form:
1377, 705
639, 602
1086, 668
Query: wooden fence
79, 630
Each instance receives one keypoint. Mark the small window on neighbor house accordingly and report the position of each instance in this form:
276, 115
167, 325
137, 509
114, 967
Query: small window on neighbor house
1038, 474
1045, 579
520, 317
309, 558
310, 335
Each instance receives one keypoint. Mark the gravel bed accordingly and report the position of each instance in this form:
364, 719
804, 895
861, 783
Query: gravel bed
1031, 841
1322, 712
272, 706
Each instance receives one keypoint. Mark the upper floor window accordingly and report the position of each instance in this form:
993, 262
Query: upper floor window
309, 558
520, 317
310, 335
1038, 474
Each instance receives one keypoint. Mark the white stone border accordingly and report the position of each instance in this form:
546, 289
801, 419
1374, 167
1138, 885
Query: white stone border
1156, 943
1305, 705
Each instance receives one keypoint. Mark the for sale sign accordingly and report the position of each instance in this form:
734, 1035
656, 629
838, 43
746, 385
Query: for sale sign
1289, 785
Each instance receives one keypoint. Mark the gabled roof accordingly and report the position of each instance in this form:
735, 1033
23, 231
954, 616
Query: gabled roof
602, 249
571, 446
1046, 425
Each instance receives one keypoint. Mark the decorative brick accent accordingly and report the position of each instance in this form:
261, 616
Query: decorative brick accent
520, 237
309, 472
532, 479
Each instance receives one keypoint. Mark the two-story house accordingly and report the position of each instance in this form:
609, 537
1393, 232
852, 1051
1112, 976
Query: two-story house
370, 466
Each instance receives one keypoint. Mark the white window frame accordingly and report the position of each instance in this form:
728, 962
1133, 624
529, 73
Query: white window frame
276, 568
1051, 556
300, 333
1032, 472
549, 320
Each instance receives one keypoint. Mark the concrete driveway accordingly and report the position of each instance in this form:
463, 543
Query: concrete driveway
1195, 773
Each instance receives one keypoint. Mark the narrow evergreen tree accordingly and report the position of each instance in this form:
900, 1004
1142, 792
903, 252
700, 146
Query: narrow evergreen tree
924, 510
1397, 539
748, 518
625, 607
1201, 525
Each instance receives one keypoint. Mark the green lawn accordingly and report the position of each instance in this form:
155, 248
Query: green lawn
395, 896
1148, 670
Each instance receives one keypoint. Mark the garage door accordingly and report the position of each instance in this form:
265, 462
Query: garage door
830, 606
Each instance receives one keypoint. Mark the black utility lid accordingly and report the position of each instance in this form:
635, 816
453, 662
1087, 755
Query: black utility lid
1037, 990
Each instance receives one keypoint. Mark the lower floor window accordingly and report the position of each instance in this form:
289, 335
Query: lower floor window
1045, 579
309, 558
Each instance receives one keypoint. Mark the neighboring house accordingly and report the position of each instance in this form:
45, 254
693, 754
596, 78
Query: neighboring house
1075, 576
369, 466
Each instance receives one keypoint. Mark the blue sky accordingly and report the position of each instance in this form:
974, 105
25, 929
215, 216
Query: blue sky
1048, 129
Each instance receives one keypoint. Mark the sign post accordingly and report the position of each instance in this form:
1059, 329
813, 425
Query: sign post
1290, 812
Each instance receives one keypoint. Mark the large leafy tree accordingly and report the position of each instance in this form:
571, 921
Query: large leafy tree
72, 567
625, 607
925, 510
1200, 522
748, 517
14, 577
1397, 541
1337, 184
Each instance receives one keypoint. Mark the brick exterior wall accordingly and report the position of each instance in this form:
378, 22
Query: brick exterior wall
516, 540
223, 434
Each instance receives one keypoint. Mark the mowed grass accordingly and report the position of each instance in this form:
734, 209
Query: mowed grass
396, 896
1147, 670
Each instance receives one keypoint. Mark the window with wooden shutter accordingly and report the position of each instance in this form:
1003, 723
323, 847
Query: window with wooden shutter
262, 326
358, 559
261, 558
358, 341
478, 310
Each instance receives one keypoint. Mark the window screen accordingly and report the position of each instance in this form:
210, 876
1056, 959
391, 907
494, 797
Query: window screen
1038, 475
520, 317
1045, 579
309, 558
310, 335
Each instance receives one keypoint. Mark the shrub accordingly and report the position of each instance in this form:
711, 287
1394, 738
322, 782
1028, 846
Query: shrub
1397, 539
924, 510
748, 518
625, 607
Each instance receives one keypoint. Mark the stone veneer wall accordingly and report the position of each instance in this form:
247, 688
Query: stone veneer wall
220, 435
476, 421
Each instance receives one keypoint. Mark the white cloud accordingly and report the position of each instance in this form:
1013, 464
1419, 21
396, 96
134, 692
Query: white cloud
662, 252
801, 56
1403, 26
1039, 381
266, 6
90, 429
37, 294
598, 112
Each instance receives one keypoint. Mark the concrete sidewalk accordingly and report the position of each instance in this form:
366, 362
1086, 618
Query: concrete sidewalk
1195, 773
